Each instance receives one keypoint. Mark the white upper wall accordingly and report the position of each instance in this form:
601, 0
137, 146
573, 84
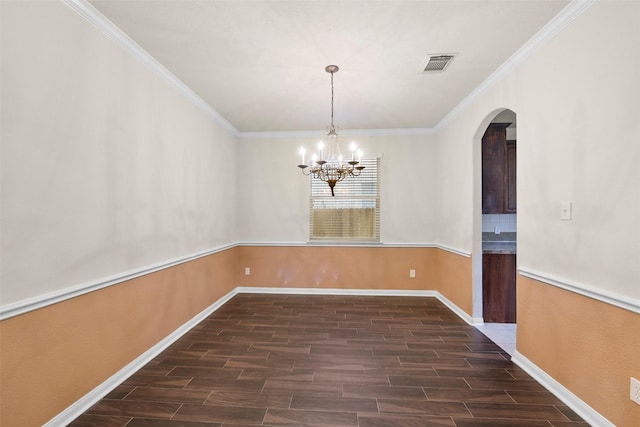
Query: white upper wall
577, 100
274, 195
105, 168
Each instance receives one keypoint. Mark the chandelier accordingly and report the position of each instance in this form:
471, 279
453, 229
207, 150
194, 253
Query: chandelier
330, 167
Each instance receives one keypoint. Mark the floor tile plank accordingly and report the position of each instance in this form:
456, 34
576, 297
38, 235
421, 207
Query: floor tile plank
288, 417
346, 404
222, 414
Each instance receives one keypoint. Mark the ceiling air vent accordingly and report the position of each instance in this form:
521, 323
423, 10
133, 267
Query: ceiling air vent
438, 63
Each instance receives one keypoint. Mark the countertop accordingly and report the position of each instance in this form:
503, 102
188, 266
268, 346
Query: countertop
499, 247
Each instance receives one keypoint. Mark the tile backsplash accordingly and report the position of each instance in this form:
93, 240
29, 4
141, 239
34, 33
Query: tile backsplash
506, 223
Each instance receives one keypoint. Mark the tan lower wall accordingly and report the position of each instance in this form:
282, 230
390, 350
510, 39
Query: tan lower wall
592, 348
337, 267
359, 268
455, 279
53, 356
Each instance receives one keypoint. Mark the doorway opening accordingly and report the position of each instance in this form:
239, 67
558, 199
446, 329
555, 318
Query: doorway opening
495, 228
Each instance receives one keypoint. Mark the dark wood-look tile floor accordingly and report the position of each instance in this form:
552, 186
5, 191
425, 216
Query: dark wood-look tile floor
300, 360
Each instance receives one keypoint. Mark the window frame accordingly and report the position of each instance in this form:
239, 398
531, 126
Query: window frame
351, 195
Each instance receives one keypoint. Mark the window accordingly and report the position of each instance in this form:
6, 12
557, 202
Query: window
353, 214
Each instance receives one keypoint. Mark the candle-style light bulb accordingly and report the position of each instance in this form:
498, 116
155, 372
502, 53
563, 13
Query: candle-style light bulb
302, 153
321, 147
359, 155
314, 158
353, 150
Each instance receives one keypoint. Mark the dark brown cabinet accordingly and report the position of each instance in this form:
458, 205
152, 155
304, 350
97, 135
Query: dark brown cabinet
498, 171
499, 288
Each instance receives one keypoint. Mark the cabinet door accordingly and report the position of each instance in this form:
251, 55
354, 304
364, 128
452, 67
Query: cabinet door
510, 195
493, 169
499, 288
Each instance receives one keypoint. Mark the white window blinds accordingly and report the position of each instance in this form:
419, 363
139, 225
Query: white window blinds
353, 214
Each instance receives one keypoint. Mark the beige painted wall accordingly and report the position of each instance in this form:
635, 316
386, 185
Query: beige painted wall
273, 200
454, 279
337, 267
588, 346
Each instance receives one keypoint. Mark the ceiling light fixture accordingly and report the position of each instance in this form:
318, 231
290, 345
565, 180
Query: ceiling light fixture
330, 166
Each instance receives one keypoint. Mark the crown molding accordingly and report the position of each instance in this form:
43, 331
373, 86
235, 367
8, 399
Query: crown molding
553, 27
98, 20
322, 133
546, 33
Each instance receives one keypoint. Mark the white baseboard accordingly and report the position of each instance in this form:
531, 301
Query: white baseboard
91, 398
335, 291
585, 411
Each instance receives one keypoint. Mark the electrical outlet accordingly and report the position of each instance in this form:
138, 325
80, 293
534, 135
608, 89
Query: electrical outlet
247, 271
634, 393
412, 274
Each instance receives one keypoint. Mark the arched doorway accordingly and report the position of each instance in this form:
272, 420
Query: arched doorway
495, 227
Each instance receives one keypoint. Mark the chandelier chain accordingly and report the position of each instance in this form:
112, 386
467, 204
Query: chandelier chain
332, 101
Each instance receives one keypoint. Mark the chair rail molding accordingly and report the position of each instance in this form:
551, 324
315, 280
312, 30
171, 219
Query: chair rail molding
602, 295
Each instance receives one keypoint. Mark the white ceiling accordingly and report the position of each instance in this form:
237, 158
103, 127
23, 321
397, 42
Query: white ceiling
260, 64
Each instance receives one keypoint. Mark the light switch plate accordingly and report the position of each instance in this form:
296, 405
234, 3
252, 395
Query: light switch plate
634, 393
565, 211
